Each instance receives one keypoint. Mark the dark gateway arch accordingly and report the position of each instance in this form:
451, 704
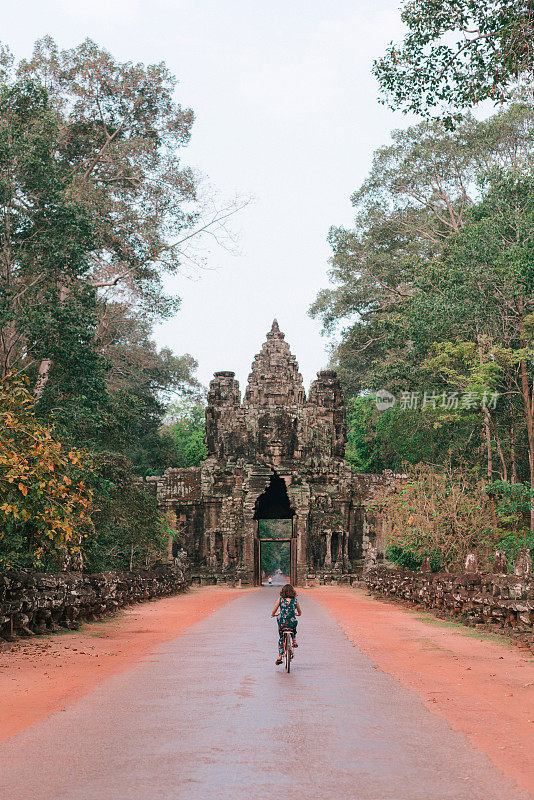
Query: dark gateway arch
274, 517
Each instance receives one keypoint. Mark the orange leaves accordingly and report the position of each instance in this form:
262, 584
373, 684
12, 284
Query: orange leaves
42, 493
440, 513
75, 458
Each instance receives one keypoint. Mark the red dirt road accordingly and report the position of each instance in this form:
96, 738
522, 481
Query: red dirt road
43, 675
484, 688
208, 715
170, 700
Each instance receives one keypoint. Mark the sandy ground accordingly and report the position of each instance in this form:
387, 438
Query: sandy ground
482, 685
45, 674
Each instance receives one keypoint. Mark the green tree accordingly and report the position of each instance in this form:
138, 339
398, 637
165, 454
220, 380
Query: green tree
274, 556
129, 531
94, 209
407, 318
92, 194
99, 146
418, 193
46, 236
121, 133
47, 309
118, 134
457, 53
481, 287
361, 424
141, 381
187, 430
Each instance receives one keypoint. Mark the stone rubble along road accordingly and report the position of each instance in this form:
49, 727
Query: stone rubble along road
208, 715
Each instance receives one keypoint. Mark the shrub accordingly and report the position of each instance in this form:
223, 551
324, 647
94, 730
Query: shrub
442, 514
44, 498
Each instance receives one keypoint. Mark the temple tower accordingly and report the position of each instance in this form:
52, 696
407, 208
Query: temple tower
224, 399
275, 379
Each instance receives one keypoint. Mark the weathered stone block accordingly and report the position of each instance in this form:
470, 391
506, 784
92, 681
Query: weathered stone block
40, 603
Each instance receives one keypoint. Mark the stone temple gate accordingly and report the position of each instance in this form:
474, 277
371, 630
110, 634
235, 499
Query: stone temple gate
275, 469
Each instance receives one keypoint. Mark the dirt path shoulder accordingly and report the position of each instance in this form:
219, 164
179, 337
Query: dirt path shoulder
42, 675
481, 684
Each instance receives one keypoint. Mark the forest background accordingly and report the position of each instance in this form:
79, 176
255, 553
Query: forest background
96, 207
431, 290
430, 302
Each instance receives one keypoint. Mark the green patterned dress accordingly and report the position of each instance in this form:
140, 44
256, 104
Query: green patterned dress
287, 619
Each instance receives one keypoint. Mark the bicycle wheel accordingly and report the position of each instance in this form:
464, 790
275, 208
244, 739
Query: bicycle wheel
288, 649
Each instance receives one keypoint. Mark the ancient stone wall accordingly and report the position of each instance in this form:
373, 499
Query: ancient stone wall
499, 602
42, 603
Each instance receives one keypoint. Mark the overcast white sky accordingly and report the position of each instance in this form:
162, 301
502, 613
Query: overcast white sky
286, 111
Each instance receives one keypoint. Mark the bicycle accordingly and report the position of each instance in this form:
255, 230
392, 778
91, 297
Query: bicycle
288, 647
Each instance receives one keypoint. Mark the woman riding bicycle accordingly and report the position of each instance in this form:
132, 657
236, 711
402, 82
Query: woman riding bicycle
288, 609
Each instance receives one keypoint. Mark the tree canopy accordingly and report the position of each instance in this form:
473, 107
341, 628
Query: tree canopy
45, 496
457, 53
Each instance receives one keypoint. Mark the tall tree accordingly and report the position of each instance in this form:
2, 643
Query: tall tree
47, 309
418, 193
432, 289
119, 131
142, 381
481, 290
186, 427
116, 135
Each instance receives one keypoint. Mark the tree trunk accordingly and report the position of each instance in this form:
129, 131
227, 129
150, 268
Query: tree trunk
513, 458
489, 453
527, 402
504, 469
9, 341
46, 364
42, 379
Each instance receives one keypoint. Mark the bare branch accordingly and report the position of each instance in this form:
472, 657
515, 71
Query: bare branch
114, 281
470, 42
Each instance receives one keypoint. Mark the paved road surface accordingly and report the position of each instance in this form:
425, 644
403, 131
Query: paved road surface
208, 715
277, 580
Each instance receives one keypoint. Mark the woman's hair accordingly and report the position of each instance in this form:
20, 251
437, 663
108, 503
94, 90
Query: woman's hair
288, 591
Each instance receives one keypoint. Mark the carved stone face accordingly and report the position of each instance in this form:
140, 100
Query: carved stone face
275, 423
276, 437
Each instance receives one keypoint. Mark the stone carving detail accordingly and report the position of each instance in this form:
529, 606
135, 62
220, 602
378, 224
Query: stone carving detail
42, 603
499, 601
499, 563
370, 560
279, 446
523, 562
471, 564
